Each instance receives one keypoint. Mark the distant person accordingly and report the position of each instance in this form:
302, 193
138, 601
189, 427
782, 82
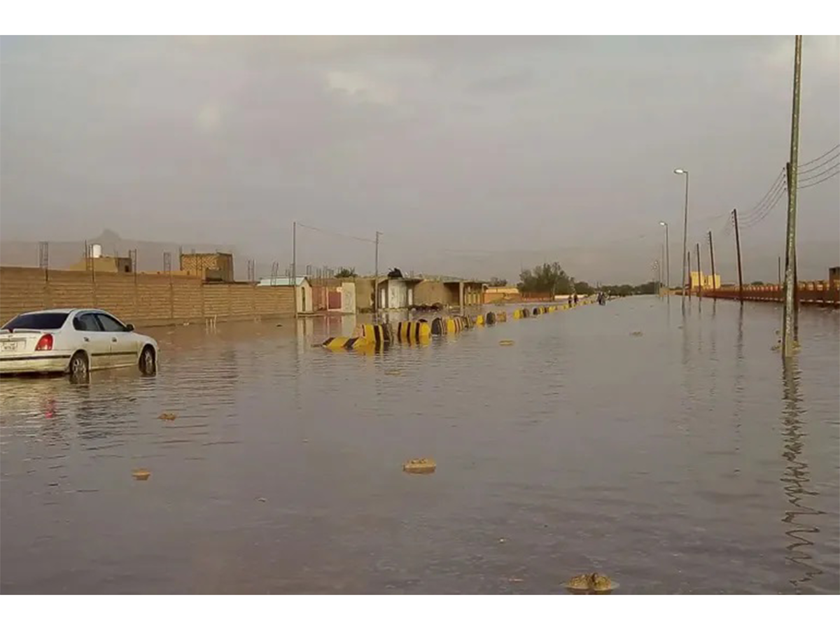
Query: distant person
570, 300
576, 299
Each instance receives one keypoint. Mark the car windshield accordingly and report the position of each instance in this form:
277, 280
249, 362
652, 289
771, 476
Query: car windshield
37, 321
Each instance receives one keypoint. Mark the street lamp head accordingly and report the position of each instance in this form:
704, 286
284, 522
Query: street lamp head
680, 171
663, 224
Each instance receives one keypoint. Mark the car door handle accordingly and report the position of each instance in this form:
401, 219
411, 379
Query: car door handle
114, 339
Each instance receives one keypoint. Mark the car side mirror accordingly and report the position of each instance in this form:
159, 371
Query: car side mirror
129, 327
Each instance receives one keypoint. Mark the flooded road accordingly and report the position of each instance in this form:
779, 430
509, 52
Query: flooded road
682, 460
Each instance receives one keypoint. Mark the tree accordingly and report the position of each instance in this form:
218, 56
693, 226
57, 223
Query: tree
546, 279
344, 272
498, 282
583, 288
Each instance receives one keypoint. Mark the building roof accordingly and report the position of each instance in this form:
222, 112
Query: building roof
281, 282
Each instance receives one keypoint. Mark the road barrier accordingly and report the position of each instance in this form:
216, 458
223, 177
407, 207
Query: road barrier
345, 343
370, 338
380, 334
413, 331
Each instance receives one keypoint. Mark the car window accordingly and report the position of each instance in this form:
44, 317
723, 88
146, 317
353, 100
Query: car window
86, 322
109, 324
37, 321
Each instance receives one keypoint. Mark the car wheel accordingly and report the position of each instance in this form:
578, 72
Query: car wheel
79, 368
148, 361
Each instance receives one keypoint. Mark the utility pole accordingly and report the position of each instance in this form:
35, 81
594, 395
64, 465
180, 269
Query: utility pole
667, 261
788, 331
688, 260
738, 252
779, 270
699, 273
376, 279
681, 171
712, 256
294, 266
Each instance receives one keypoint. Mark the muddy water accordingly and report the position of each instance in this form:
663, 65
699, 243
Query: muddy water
687, 459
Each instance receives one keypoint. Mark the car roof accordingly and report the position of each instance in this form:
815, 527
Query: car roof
63, 311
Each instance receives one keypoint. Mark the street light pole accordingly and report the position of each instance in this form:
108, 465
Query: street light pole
682, 171
667, 260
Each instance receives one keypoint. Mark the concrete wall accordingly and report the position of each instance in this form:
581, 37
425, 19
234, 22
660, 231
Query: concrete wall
432, 291
364, 293
143, 300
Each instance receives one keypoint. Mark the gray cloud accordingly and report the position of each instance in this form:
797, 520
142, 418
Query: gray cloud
493, 144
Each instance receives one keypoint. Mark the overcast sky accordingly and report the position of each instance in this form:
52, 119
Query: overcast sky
528, 146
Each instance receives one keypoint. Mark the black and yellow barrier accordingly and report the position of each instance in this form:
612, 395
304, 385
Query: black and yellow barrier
380, 334
346, 343
521, 313
501, 316
413, 331
479, 320
456, 324
449, 325
489, 318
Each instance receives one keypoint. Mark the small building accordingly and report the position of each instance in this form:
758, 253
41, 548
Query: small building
397, 293
216, 266
834, 275
98, 263
303, 290
704, 281
333, 295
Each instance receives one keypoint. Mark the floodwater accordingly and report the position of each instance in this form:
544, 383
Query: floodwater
687, 459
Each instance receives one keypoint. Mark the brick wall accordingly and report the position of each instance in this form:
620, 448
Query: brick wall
144, 300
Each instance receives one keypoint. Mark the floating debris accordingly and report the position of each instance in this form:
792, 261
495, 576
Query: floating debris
141, 474
393, 372
262, 499
422, 466
506, 342
169, 417
775, 348
636, 333
502, 541
591, 583
515, 580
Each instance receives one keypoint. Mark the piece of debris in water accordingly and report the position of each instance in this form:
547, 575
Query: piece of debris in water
169, 417
141, 474
506, 342
422, 466
636, 333
393, 372
591, 582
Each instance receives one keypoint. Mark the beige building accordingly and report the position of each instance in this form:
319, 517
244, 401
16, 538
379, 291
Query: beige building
704, 281
104, 264
216, 266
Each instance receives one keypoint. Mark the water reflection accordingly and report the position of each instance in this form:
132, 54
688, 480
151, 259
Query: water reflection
796, 478
320, 437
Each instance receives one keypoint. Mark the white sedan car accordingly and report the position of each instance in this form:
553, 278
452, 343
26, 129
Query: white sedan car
74, 342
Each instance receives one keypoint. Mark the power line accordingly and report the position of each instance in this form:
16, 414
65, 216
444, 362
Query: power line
819, 174
824, 179
339, 234
756, 219
832, 150
757, 208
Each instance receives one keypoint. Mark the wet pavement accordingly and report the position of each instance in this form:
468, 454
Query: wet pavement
687, 459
